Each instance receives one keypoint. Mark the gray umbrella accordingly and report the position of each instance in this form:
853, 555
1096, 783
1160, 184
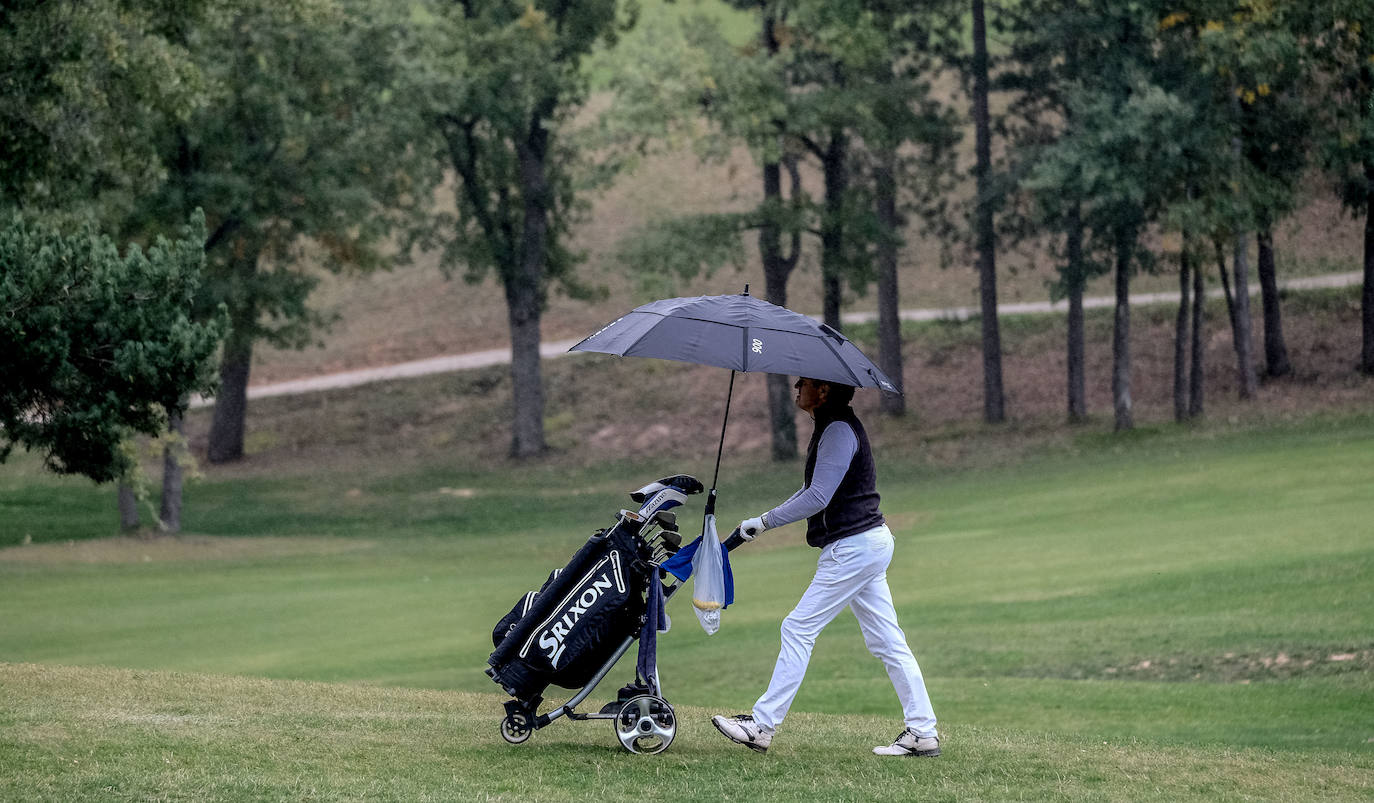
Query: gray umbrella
741, 333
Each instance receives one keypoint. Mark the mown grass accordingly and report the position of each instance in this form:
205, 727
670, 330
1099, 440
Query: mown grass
111, 734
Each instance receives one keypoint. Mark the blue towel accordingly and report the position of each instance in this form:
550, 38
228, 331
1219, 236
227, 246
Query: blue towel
654, 620
680, 566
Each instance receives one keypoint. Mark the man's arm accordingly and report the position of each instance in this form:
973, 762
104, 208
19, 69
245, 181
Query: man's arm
834, 453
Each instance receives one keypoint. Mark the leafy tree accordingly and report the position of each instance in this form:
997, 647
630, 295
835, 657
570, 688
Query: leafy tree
1042, 69
297, 156
847, 85
498, 84
95, 344
903, 159
1243, 69
1122, 161
80, 81
724, 94
1339, 36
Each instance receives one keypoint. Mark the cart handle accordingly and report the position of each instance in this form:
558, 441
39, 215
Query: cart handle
735, 540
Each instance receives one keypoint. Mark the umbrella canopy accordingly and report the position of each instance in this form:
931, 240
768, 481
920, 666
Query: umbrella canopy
741, 333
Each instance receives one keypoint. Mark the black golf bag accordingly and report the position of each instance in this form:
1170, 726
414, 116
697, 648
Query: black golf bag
562, 633
574, 629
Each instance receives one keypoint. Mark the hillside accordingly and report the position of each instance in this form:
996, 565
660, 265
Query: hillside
607, 409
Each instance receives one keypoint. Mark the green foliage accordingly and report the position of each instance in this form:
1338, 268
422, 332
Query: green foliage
1109, 137
497, 85
669, 252
95, 344
297, 155
82, 83
842, 82
1340, 39
1195, 115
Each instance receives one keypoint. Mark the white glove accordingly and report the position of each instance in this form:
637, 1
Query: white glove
752, 527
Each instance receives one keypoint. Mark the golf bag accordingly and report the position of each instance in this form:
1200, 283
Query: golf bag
561, 633
564, 633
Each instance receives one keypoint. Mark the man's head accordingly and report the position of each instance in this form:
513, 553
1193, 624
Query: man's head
812, 394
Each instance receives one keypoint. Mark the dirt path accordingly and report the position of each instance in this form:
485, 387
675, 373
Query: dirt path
559, 348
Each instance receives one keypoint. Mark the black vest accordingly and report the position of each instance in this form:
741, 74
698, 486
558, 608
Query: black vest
854, 507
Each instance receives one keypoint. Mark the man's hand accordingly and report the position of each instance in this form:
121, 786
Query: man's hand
751, 527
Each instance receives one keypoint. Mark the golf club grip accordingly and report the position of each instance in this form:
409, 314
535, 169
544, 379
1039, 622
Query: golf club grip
734, 540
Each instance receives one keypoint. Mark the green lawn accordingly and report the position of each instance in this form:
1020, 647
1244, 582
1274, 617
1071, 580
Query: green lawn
1181, 614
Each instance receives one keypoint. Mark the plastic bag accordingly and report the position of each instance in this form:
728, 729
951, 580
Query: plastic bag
708, 578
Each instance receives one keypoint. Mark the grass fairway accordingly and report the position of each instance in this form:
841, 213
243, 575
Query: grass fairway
113, 734
1183, 614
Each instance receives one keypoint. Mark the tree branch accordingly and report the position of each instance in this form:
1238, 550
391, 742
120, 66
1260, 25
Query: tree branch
463, 147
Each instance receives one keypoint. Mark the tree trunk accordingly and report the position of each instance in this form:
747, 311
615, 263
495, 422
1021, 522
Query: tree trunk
776, 270
172, 473
889, 319
1367, 294
524, 297
527, 421
994, 407
128, 508
1249, 382
1181, 338
1226, 287
1275, 349
836, 172
1075, 275
1121, 331
231, 403
1197, 375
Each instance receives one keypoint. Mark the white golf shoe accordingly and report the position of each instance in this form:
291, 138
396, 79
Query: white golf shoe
742, 729
909, 744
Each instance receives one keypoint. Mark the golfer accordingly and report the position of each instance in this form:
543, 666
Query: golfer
839, 501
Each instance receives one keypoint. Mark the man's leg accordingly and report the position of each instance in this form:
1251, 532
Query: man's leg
877, 617
837, 580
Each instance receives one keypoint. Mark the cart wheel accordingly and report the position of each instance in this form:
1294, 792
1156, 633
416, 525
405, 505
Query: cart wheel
516, 728
646, 725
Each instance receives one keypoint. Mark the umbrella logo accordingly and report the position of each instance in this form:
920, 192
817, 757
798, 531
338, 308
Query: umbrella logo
758, 346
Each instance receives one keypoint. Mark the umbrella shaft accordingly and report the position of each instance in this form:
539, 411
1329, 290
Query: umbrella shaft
726, 420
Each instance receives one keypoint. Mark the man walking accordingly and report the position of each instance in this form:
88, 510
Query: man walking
839, 501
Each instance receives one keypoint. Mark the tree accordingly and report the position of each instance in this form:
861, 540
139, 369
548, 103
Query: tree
85, 86
857, 77
847, 84
721, 95
1043, 67
297, 157
777, 267
498, 84
81, 79
95, 345
1244, 70
1339, 35
994, 405
907, 139
1122, 161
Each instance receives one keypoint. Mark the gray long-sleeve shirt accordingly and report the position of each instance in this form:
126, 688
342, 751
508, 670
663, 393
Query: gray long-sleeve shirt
834, 453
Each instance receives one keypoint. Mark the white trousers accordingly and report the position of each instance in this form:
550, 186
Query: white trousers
851, 572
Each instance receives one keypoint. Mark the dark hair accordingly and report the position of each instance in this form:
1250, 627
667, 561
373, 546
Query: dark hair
840, 394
